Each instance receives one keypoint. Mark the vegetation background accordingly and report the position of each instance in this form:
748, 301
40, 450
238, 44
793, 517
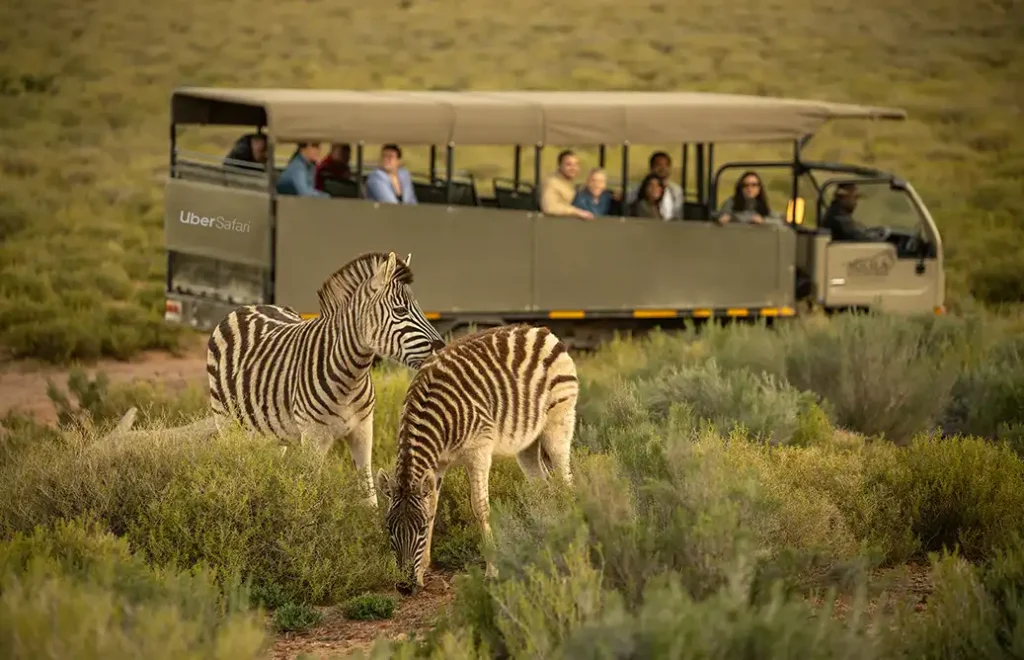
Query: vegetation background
85, 88
751, 470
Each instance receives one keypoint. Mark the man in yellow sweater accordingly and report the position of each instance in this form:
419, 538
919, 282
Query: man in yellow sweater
559, 190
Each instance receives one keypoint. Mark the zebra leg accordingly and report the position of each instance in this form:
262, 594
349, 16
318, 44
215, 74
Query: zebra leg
530, 462
478, 469
556, 438
433, 514
360, 445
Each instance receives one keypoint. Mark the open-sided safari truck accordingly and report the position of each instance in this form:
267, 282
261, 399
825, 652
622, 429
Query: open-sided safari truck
231, 239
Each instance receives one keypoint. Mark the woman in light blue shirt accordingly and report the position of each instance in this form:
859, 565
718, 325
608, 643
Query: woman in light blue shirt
390, 183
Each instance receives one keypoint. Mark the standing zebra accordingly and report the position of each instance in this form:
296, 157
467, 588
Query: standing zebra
278, 375
504, 391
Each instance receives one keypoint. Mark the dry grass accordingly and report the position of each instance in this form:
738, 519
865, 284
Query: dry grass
84, 91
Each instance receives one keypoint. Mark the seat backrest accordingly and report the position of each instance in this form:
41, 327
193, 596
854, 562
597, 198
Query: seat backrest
341, 187
510, 196
695, 211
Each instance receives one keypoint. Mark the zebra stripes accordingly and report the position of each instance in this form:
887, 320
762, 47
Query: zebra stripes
278, 375
505, 391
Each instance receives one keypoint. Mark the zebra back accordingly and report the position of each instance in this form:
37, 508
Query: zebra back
502, 379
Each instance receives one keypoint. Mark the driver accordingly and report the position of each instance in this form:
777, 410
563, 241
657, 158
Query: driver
839, 216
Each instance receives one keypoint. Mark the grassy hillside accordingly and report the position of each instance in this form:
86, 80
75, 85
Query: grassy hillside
723, 484
84, 92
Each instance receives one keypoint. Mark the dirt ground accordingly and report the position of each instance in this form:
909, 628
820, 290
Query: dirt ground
23, 384
337, 637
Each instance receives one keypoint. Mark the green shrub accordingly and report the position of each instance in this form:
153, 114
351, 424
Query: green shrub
294, 617
881, 374
20, 431
368, 607
239, 505
973, 612
96, 403
988, 397
73, 590
959, 492
765, 408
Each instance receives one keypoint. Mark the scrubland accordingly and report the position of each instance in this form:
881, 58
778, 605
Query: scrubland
85, 87
731, 486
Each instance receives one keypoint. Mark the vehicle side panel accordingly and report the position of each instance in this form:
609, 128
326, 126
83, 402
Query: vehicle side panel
464, 259
480, 261
638, 263
221, 223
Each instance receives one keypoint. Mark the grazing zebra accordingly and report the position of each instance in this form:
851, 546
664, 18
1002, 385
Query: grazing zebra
281, 376
504, 391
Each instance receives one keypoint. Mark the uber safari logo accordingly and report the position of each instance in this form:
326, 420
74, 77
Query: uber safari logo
217, 222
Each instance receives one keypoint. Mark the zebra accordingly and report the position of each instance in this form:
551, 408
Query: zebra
509, 390
278, 375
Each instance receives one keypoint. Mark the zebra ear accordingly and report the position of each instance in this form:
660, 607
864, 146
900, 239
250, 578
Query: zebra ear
384, 273
427, 482
384, 483
408, 260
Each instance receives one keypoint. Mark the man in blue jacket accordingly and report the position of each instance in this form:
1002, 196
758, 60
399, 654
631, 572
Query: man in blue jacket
298, 177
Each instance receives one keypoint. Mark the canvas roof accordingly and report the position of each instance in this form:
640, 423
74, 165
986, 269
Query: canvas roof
519, 117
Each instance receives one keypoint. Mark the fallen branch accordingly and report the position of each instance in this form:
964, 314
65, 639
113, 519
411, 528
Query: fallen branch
204, 428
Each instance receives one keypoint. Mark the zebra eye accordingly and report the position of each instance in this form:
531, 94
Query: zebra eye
401, 310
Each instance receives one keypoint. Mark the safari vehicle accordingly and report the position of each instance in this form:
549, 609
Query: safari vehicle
231, 239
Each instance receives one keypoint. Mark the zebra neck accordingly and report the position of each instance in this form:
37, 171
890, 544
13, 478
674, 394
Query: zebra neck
416, 455
350, 353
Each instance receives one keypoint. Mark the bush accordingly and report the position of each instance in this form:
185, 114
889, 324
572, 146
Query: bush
988, 397
959, 492
96, 404
973, 612
766, 408
294, 617
239, 505
73, 590
368, 607
881, 374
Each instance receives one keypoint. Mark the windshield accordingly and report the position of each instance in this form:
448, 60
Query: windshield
879, 205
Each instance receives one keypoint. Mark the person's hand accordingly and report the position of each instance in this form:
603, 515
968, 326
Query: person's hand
585, 215
722, 219
757, 219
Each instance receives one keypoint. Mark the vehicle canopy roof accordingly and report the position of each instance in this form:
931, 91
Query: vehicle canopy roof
524, 118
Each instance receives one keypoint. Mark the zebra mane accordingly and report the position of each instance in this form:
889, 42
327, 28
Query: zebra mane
336, 291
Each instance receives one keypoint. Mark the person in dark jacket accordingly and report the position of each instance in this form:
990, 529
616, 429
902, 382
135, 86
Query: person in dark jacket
249, 151
839, 219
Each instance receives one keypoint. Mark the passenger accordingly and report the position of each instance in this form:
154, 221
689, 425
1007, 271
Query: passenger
390, 183
838, 217
335, 165
652, 194
595, 197
660, 164
248, 152
749, 202
297, 177
558, 191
